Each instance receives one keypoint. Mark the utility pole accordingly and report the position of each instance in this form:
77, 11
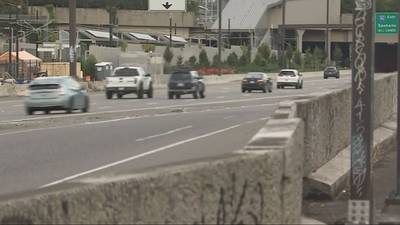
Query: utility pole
361, 205
10, 45
282, 35
327, 39
170, 30
219, 37
17, 44
37, 35
229, 32
72, 38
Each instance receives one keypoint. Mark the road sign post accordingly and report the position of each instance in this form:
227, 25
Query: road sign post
360, 209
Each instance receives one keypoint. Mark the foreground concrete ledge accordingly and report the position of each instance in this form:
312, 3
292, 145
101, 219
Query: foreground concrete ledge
236, 188
276, 134
333, 177
310, 221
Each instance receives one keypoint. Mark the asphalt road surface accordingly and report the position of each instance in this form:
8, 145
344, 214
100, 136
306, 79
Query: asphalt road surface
124, 135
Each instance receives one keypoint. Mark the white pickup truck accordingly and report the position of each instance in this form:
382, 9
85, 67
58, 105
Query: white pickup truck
289, 78
126, 80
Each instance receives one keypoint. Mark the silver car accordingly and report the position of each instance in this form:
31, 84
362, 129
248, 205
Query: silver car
56, 93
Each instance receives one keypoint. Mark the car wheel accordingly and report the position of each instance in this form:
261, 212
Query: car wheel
178, 96
202, 95
243, 90
249, 91
196, 94
150, 92
265, 90
85, 109
325, 78
29, 111
70, 106
47, 111
140, 92
109, 94
170, 95
119, 96
337, 77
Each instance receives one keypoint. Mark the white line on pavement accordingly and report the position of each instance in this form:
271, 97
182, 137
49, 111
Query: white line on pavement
105, 107
152, 152
17, 105
163, 134
124, 119
158, 107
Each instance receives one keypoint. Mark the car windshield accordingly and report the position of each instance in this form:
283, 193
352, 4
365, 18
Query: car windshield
254, 75
331, 69
181, 76
287, 73
126, 72
44, 86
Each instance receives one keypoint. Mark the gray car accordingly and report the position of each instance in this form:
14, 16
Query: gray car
56, 93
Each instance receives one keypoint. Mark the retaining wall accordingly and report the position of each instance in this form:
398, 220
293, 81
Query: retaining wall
327, 118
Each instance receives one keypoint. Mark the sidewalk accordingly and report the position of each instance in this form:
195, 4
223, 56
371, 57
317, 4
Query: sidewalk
335, 211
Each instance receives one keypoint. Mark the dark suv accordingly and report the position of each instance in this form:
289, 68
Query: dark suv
331, 71
186, 82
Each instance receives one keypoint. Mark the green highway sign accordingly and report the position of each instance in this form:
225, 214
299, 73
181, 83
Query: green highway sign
387, 23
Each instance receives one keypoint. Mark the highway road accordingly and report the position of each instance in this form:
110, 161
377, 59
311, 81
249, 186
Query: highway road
128, 135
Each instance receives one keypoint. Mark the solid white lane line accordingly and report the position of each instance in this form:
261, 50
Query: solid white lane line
152, 152
17, 105
228, 117
152, 103
220, 97
105, 107
163, 134
126, 118
155, 108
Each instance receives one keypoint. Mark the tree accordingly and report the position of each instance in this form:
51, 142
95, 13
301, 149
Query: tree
232, 59
338, 55
168, 55
89, 66
148, 48
192, 61
260, 60
203, 59
180, 61
289, 56
123, 45
308, 59
264, 51
245, 59
318, 58
297, 60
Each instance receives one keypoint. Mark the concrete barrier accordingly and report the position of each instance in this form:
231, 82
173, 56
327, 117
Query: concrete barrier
327, 118
241, 188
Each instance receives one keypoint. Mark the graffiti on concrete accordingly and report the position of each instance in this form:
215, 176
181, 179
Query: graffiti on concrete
235, 202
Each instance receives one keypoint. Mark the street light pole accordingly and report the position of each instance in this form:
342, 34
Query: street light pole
72, 38
219, 37
361, 205
282, 35
10, 46
17, 44
327, 41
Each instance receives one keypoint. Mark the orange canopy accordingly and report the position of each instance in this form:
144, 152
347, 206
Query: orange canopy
23, 56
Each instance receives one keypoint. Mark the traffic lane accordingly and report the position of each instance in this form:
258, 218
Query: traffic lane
45, 156
202, 149
99, 104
